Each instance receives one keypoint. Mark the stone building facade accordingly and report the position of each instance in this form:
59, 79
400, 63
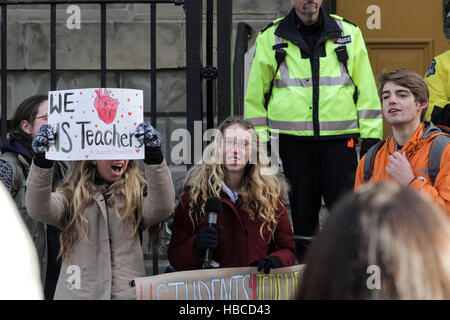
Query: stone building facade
128, 53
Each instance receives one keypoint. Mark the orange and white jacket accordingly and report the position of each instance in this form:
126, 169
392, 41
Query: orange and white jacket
417, 151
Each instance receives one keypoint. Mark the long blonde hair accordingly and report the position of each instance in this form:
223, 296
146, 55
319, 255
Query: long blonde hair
79, 190
260, 193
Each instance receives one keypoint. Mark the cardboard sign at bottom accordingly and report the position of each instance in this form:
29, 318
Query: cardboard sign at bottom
244, 283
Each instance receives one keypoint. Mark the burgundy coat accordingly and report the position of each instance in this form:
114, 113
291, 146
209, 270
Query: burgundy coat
240, 242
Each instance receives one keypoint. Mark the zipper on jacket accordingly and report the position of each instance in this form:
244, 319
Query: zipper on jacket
106, 197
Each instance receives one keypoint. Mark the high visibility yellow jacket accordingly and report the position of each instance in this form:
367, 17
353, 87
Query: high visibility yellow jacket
313, 92
438, 80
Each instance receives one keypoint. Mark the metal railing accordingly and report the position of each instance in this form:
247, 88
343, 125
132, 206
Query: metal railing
53, 3
195, 72
243, 34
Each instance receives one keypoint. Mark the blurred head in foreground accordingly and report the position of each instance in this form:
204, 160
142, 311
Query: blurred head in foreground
382, 242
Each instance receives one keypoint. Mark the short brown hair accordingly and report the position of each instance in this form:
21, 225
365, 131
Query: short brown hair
408, 79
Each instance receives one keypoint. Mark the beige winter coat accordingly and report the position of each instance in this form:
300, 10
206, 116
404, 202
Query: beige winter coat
102, 266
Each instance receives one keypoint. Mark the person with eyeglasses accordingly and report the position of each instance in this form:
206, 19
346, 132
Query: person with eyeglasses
15, 159
253, 227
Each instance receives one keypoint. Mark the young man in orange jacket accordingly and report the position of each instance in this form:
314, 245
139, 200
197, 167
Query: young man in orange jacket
404, 156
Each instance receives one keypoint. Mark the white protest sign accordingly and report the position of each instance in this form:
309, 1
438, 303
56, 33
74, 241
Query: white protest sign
244, 283
95, 124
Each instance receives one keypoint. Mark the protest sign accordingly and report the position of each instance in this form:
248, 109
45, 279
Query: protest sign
95, 124
244, 283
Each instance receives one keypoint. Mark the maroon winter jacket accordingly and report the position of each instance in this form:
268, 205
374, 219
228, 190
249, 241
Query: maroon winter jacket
240, 242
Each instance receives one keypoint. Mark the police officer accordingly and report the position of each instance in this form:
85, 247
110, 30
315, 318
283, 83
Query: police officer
438, 80
312, 81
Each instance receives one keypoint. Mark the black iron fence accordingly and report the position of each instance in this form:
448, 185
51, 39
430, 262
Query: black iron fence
218, 102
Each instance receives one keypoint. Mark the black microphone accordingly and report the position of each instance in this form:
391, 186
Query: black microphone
213, 206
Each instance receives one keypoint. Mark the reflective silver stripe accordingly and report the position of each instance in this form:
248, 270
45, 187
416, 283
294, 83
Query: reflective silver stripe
338, 125
258, 122
370, 114
339, 23
286, 81
291, 125
308, 125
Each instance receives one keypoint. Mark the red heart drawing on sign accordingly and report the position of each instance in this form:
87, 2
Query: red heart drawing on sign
106, 106
129, 113
137, 150
71, 117
128, 99
96, 125
86, 156
76, 136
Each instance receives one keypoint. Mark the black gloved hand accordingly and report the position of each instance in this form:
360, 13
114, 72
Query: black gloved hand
441, 115
207, 238
366, 144
153, 155
151, 138
269, 262
148, 135
44, 138
41, 142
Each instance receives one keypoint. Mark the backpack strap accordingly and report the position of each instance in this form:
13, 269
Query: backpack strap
434, 156
280, 56
370, 160
342, 56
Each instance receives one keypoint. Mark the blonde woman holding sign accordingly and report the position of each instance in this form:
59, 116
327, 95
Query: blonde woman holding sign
253, 228
100, 209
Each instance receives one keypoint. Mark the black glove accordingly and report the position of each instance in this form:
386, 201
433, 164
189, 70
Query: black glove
151, 138
148, 135
41, 142
153, 155
441, 115
269, 262
366, 144
207, 238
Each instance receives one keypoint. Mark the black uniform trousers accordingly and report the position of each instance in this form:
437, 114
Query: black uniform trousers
315, 168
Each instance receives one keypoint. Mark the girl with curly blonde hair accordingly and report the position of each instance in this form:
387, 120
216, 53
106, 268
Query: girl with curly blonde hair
253, 228
100, 209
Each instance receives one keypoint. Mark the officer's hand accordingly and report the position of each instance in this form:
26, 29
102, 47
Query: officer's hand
441, 115
207, 238
44, 138
366, 144
148, 135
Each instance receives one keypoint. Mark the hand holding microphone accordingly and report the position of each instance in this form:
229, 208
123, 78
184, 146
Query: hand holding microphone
208, 237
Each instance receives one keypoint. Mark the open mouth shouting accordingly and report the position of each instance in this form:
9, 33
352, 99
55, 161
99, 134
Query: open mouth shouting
111, 170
